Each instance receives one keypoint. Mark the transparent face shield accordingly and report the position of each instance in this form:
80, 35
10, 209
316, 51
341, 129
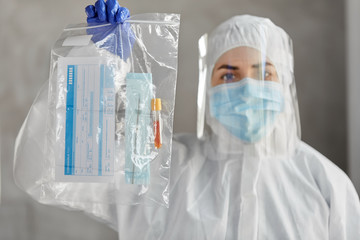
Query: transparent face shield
247, 98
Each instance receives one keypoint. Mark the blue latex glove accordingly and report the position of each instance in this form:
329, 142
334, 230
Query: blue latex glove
116, 38
106, 12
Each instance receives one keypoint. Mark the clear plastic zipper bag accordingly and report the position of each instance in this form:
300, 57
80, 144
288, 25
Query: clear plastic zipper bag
106, 131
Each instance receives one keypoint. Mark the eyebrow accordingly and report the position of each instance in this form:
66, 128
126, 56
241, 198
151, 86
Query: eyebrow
258, 65
226, 66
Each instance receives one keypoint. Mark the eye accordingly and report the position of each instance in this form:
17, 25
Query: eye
270, 74
228, 77
267, 75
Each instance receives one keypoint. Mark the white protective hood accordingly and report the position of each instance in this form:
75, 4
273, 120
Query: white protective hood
272, 43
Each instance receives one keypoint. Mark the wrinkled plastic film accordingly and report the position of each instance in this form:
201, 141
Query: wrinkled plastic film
202, 86
99, 143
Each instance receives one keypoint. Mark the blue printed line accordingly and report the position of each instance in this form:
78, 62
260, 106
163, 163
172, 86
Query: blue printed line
83, 89
101, 100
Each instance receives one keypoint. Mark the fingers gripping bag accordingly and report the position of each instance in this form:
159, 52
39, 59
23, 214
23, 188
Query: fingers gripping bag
100, 131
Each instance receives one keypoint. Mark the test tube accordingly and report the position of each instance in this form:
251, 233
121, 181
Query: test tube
157, 121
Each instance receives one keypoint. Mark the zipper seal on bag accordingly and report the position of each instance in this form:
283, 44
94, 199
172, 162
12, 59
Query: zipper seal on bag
174, 23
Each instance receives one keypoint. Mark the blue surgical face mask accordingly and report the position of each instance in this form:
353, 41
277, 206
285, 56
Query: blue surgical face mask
247, 108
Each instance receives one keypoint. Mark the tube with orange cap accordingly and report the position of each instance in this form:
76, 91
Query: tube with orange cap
157, 121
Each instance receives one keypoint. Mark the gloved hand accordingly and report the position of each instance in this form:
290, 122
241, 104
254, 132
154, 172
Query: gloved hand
106, 12
118, 37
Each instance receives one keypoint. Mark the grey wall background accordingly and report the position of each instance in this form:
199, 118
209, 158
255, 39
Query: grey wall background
28, 28
353, 89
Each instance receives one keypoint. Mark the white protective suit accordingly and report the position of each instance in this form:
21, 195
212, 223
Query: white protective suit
224, 188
